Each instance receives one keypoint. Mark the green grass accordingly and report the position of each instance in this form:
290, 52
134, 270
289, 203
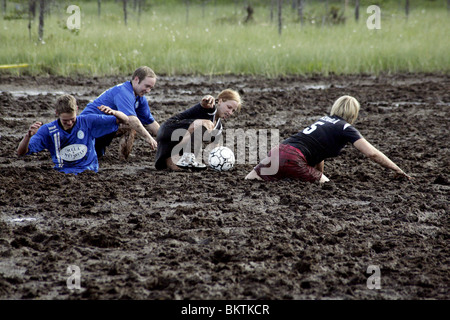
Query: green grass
222, 44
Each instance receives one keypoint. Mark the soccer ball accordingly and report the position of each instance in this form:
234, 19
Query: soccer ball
221, 159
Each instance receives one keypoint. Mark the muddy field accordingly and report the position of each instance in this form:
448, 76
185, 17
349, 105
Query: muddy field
137, 233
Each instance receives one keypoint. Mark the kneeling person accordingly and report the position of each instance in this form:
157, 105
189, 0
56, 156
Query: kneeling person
71, 139
204, 117
302, 155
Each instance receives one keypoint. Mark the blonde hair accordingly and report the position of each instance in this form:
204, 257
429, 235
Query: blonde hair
66, 104
229, 94
143, 72
347, 108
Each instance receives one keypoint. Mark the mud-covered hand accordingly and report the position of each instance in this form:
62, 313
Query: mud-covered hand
34, 128
153, 143
208, 102
106, 110
402, 175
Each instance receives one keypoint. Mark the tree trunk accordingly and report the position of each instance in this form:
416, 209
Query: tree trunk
4, 7
32, 8
325, 16
99, 7
357, 10
139, 9
125, 11
280, 22
407, 8
300, 11
31, 14
41, 20
187, 11
272, 5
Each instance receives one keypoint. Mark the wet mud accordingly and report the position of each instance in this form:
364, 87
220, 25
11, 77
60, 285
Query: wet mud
138, 233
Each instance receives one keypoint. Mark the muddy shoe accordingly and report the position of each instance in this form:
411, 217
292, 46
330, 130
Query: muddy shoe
187, 161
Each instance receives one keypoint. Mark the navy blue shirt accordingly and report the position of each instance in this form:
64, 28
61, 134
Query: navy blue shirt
324, 139
198, 112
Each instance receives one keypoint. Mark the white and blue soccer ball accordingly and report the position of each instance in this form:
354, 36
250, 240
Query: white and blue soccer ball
221, 159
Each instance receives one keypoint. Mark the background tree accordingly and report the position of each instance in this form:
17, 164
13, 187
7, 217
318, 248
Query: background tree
407, 8
280, 22
31, 14
41, 20
125, 11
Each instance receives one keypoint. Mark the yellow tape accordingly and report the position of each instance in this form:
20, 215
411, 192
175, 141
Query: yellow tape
8, 66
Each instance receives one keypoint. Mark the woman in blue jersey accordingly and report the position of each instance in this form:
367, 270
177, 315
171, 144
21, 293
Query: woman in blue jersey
302, 155
182, 134
70, 139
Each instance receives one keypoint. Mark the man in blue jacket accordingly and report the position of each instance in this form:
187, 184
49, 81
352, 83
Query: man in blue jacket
129, 98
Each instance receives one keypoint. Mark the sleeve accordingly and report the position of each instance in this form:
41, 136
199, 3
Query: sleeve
101, 125
125, 102
40, 141
351, 133
143, 112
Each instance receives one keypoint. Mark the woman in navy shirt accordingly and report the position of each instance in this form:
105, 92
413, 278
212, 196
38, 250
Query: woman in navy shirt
178, 135
302, 155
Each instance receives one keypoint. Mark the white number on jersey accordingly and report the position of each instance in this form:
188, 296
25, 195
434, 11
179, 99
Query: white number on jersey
313, 127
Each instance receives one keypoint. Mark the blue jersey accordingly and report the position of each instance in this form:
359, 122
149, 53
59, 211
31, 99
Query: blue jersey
324, 139
74, 151
122, 98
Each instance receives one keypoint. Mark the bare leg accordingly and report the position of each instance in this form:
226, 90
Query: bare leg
171, 165
253, 176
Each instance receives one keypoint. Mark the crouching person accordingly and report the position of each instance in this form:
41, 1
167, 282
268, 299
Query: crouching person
70, 139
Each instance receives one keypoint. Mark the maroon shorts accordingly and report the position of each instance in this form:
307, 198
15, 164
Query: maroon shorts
285, 161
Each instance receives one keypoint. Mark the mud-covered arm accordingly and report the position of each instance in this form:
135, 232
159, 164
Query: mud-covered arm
136, 124
377, 156
153, 128
121, 117
22, 149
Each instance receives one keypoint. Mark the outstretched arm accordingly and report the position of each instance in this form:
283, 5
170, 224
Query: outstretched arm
23, 145
120, 116
377, 156
136, 124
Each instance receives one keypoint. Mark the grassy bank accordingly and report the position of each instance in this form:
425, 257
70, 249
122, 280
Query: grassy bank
215, 40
